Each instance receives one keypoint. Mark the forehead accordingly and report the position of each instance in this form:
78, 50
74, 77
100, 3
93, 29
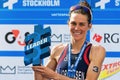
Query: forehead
78, 17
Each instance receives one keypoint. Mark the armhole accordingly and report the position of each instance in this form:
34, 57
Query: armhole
86, 54
63, 54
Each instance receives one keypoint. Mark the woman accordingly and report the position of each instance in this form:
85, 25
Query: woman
79, 60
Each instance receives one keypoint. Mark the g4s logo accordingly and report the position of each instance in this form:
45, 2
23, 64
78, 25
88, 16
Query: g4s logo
11, 37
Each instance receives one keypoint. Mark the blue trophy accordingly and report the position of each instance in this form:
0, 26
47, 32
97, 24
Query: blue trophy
37, 45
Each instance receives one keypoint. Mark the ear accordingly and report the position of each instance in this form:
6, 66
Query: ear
90, 26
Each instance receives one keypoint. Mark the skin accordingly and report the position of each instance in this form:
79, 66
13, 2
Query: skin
78, 26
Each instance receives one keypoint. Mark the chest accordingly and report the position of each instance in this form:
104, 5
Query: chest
83, 63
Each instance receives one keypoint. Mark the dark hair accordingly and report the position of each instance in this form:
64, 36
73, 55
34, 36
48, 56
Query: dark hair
84, 8
84, 3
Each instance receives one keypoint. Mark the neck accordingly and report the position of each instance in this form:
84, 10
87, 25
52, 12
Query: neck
77, 45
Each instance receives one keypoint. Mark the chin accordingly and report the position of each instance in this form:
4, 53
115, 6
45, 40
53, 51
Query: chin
77, 39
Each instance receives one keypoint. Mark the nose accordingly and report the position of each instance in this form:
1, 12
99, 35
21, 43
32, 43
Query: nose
77, 27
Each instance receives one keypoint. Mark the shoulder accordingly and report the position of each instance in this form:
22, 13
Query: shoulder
57, 49
97, 48
98, 52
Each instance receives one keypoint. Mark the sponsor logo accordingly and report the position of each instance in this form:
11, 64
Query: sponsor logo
29, 3
117, 2
106, 4
11, 37
56, 38
109, 38
7, 70
97, 37
9, 4
35, 3
66, 37
24, 70
112, 38
60, 34
101, 3
109, 70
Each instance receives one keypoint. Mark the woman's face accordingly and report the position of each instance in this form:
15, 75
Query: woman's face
78, 25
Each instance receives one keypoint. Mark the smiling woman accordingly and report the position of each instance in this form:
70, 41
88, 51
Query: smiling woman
41, 3
79, 59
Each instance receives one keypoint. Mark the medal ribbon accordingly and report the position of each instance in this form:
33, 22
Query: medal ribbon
72, 69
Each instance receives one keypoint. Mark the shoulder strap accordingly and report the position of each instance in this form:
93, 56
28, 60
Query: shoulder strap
86, 54
63, 55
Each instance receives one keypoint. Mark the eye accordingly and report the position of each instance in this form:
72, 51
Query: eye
81, 24
73, 23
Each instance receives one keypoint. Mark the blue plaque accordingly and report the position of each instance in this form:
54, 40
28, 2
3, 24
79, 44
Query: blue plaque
37, 45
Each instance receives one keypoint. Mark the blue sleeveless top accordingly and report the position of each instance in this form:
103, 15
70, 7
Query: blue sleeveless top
82, 66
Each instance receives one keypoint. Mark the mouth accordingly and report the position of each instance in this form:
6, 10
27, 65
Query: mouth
77, 33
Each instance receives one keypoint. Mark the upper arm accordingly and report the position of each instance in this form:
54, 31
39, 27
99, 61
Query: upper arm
53, 59
96, 60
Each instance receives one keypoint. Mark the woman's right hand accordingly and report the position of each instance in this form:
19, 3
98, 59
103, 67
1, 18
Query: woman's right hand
45, 72
37, 75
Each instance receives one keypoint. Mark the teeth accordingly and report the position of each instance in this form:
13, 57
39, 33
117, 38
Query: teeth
77, 33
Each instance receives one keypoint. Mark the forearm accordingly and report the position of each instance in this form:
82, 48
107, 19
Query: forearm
37, 76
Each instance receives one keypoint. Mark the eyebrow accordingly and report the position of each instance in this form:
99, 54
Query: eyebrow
78, 22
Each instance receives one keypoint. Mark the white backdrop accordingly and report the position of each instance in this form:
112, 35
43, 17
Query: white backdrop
13, 68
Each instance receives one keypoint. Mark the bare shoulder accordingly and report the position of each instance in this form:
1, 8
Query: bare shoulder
57, 49
55, 53
98, 51
98, 48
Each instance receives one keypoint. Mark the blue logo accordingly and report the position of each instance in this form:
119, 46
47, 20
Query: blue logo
105, 4
9, 4
101, 3
37, 45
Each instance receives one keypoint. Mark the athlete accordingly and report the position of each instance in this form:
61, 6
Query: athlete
78, 60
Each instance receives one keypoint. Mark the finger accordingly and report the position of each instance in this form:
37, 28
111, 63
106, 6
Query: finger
41, 67
35, 67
